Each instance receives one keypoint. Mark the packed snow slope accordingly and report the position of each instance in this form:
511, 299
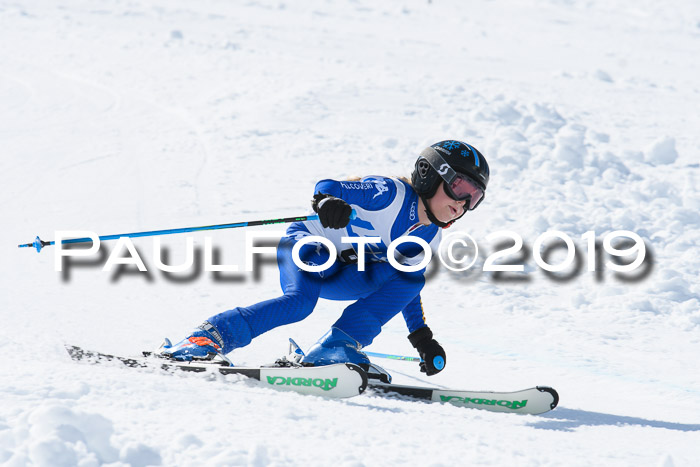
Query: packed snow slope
119, 116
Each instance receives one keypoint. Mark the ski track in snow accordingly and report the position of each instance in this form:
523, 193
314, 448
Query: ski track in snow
120, 117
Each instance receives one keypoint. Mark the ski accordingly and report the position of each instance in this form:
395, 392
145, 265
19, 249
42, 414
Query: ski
340, 380
531, 401
332, 381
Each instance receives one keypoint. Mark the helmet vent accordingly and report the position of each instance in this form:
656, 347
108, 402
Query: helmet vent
423, 168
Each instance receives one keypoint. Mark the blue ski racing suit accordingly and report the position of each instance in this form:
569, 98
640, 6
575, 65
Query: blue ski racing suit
386, 208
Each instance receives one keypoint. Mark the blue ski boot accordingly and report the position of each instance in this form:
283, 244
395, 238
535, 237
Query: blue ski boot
204, 343
336, 347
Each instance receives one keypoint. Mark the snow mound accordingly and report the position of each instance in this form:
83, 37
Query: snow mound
662, 152
57, 435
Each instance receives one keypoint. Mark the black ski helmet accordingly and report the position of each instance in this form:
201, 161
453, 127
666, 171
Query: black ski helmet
440, 162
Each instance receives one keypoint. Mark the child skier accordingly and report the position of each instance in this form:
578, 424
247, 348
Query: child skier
449, 179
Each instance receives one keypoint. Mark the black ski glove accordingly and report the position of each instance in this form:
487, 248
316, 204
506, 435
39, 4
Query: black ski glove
432, 353
332, 212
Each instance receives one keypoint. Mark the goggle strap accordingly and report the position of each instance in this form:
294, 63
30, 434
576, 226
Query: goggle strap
439, 164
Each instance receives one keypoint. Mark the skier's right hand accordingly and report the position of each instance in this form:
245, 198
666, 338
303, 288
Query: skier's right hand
432, 353
333, 212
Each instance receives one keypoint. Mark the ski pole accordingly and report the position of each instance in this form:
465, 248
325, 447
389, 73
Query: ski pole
39, 243
393, 357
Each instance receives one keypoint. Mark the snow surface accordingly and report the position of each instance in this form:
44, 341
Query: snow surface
127, 115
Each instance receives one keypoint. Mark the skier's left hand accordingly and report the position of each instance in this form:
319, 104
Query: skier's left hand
432, 353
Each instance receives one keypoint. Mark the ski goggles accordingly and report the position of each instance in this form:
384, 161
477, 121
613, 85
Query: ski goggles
457, 185
463, 188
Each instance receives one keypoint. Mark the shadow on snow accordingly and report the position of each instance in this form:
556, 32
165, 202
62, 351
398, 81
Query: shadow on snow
569, 419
